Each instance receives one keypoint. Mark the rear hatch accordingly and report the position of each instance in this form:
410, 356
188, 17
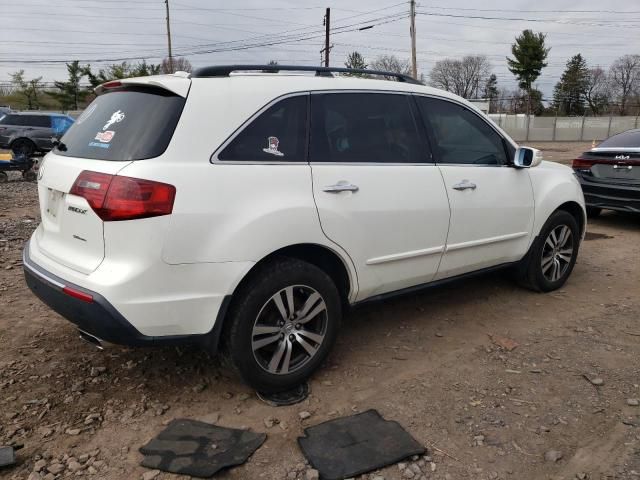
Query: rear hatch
130, 120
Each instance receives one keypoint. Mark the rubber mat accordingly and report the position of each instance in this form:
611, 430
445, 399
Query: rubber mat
357, 444
199, 449
7, 457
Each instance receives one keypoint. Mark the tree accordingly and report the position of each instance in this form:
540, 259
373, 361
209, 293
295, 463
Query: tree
27, 88
462, 77
490, 92
71, 93
569, 94
120, 70
529, 54
598, 91
391, 63
180, 64
356, 61
624, 76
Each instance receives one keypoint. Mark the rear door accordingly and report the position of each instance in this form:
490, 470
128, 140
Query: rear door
378, 193
40, 131
492, 204
125, 124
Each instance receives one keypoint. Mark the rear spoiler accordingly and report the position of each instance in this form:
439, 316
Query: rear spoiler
178, 83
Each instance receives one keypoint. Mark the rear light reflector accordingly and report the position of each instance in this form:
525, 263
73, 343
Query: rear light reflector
581, 163
115, 197
85, 297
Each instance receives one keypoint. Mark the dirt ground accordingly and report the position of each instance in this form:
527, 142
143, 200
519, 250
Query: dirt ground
430, 361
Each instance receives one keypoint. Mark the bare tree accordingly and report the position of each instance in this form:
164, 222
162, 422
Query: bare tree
624, 75
180, 64
391, 63
598, 92
465, 77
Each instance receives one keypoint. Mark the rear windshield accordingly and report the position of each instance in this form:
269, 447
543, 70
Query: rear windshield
629, 139
124, 124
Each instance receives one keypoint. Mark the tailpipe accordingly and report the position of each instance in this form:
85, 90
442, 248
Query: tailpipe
91, 339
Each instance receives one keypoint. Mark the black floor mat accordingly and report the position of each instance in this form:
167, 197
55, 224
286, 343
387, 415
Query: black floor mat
349, 446
198, 449
7, 457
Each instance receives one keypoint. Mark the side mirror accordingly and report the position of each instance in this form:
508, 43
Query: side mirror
527, 157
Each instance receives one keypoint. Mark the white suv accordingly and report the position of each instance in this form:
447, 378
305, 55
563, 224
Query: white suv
249, 209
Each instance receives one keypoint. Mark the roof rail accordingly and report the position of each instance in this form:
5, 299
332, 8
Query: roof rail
225, 71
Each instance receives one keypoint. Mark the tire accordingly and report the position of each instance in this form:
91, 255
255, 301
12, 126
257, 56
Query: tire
23, 146
4, 178
546, 267
29, 175
263, 340
593, 212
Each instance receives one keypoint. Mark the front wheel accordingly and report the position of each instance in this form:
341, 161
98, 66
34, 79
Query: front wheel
553, 255
283, 323
23, 146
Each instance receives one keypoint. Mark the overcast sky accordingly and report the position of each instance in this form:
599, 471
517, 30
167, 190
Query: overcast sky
44, 32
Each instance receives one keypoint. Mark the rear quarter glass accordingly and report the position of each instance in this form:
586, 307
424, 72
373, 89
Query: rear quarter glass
126, 124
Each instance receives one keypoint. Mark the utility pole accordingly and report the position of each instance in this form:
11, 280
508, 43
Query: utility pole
327, 27
166, 3
412, 12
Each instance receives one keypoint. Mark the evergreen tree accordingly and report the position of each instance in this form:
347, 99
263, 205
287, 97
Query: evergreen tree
356, 61
529, 54
569, 94
71, 93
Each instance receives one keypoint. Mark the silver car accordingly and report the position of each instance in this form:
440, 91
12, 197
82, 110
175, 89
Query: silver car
28, 132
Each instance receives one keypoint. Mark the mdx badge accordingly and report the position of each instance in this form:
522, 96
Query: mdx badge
622, 157
77, 210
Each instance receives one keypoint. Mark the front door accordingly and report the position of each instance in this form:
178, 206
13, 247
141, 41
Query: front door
378, 193
491, 202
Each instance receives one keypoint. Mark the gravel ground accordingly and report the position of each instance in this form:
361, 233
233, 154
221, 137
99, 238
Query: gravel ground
497, 382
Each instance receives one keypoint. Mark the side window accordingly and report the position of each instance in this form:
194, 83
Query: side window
59, 125
13, 120
38, 121
278, 134
459, 135
364, 127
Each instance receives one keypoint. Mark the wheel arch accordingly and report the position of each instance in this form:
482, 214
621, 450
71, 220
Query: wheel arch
577, 212
323, 257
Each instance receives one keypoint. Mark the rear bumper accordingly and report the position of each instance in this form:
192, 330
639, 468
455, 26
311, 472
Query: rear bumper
611, 196
98, 317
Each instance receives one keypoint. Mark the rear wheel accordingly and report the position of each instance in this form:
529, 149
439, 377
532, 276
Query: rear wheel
23, 146
282, 324
593, 212
553, 255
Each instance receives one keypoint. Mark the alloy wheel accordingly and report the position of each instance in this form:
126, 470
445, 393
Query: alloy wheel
557, 253
289, 329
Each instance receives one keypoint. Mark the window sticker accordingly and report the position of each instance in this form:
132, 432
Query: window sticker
272, 147
105, 137
99, 145
116, 117
87, 113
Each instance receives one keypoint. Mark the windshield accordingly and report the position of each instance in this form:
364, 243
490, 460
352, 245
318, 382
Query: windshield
132, 123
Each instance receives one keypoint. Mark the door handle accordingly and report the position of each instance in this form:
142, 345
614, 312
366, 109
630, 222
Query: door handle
341, 186
464, 185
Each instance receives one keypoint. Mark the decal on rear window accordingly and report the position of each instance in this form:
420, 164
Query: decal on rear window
272, 147
116, 117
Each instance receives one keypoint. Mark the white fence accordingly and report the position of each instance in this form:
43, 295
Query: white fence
562, 129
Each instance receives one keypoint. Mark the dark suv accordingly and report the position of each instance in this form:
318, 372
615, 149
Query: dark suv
27, 133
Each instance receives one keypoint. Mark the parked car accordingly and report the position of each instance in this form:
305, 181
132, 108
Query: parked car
251, 210
4, 109
26, 133
610, 174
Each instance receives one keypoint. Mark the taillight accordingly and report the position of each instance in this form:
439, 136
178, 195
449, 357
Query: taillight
115, 197
582, 164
